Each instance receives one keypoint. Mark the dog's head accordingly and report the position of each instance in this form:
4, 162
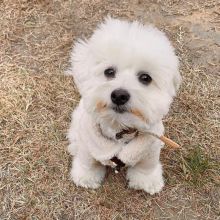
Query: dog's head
127, 73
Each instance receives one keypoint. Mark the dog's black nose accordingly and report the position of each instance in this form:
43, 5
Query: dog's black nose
120, 96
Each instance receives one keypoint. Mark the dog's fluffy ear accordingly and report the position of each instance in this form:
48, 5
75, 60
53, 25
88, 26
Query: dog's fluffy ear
79, 69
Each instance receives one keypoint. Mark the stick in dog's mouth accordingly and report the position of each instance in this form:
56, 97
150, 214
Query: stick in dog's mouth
101, 106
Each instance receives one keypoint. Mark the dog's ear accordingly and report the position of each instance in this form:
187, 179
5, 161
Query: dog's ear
79, 69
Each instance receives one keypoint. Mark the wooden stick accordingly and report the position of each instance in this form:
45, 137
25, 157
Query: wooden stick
166, 140
169, 142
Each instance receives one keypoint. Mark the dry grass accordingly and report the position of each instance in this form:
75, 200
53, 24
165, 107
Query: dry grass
36, 101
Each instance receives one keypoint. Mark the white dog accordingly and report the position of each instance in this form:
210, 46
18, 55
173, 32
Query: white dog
127, 75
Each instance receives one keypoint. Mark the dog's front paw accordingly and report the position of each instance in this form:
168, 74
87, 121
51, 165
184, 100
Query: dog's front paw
151, 182
87, 177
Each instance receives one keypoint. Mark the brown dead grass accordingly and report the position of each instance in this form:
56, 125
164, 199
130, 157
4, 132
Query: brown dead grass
36, 101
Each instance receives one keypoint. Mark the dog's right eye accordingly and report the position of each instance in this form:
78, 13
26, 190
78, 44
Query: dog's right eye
110, 72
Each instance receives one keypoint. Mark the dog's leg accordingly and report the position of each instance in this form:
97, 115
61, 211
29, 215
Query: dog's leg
72, 148
146, 175
87, 172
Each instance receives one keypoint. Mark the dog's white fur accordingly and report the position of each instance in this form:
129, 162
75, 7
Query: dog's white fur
130, 48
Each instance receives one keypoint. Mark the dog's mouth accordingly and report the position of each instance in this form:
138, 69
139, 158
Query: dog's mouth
101, 106
123, 109
119, 109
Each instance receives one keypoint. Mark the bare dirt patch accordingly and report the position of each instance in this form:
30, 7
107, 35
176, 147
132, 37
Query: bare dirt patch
36, 101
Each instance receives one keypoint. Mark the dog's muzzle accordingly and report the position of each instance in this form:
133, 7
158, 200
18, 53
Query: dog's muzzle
119, 109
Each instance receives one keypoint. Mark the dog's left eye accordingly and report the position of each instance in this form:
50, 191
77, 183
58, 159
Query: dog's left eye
144, 78
110, 72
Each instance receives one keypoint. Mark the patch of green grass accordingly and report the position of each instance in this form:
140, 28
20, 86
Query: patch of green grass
195, 167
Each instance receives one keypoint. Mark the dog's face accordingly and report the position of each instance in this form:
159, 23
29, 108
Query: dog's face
127, 73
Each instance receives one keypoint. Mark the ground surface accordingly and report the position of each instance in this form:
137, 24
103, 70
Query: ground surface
36, 101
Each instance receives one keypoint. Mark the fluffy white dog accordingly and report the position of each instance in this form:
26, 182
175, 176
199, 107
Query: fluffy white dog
127, 75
